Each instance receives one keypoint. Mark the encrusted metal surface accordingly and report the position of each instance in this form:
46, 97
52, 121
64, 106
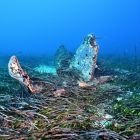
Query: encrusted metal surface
85, 58
62, 57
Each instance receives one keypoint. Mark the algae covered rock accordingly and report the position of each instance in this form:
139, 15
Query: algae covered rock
62, 57
85, 58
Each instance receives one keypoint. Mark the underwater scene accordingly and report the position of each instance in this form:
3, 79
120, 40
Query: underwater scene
70, 70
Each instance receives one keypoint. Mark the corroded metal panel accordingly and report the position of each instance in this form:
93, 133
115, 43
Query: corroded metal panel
62, 57
85, 58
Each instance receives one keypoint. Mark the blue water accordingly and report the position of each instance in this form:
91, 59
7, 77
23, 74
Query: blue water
36, 27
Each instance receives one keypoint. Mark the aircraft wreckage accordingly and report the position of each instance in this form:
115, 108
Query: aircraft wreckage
84, 62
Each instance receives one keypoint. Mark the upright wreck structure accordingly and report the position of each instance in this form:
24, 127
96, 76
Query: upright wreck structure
85, 58
62, 57
79, 68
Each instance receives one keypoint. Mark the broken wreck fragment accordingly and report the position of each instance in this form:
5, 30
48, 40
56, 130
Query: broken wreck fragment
62, 57
32, 85
85, 58
16, 72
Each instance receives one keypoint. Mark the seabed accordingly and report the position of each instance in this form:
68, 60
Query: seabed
103, 110
78, 114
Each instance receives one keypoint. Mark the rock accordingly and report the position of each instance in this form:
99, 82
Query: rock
85, 58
